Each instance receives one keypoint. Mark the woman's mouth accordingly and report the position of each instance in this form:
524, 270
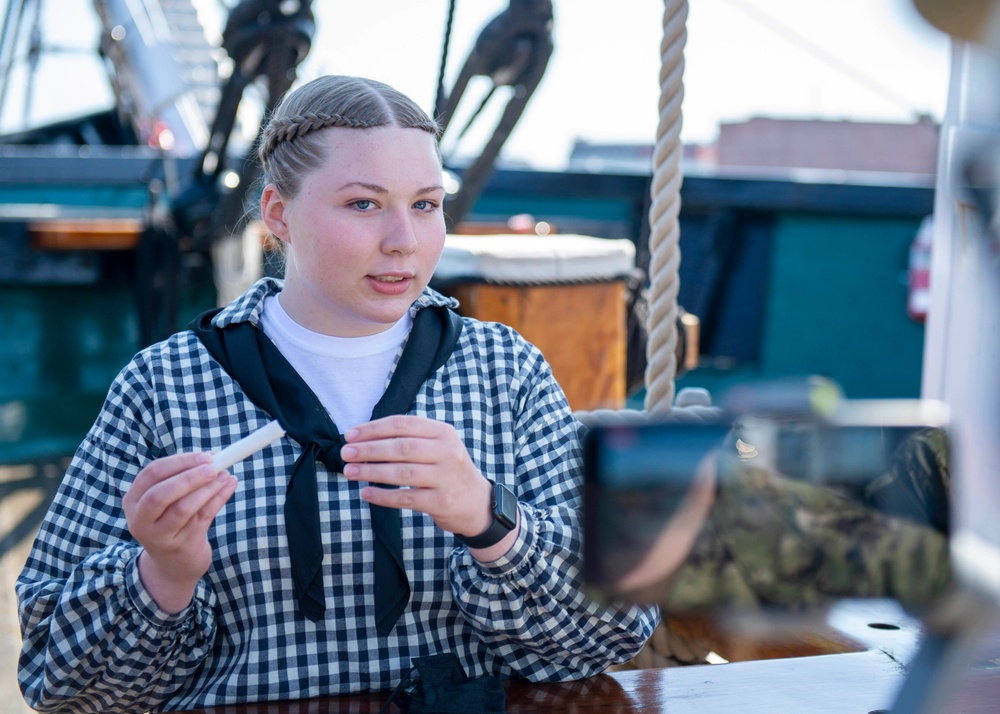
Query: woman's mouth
390, 284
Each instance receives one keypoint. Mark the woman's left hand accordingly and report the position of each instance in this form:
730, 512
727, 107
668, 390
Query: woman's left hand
429, 462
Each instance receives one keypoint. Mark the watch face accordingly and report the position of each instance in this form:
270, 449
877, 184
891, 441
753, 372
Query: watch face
505, 506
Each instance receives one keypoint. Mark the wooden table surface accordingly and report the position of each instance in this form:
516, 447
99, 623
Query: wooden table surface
852, 683
864, 682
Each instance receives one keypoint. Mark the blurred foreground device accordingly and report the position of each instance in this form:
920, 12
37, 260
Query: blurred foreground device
795, 494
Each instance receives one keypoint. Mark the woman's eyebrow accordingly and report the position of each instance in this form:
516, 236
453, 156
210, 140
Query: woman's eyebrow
370, 186
381, 189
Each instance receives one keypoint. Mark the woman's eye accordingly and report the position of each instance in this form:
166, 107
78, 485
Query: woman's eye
425, 205
363, 204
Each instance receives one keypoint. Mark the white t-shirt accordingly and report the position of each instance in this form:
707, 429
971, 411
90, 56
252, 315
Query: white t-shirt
348, 374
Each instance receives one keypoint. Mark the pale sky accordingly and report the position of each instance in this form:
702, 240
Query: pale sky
844, 59
848, 59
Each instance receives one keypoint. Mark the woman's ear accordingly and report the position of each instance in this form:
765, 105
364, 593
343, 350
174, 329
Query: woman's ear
272, 212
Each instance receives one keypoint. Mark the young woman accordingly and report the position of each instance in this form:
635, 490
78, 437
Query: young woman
423, 500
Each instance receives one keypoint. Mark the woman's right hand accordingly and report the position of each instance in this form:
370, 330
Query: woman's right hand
169, 509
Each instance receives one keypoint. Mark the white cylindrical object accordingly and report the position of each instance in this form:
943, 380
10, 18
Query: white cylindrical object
247, 445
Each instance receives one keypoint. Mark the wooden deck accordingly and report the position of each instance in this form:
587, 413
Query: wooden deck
25, 493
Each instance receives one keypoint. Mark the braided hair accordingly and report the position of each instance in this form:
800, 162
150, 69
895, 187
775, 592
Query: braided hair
289, 148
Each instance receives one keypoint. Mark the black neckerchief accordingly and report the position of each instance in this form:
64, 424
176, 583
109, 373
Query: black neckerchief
271, 383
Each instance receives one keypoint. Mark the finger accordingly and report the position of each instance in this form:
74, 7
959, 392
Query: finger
396, 426
393, 474
151, 504
161, 469
197, 508
415, 499
452, 511
398, 449
202, 520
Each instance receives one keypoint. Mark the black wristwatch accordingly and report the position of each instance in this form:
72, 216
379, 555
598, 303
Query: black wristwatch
504, 519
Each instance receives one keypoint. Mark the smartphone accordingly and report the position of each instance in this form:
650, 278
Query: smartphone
635, 477
890, 459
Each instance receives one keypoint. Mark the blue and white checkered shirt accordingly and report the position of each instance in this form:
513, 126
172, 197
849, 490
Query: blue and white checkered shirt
94, 641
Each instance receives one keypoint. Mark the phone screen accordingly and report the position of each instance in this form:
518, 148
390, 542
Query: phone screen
635, 476
780, 481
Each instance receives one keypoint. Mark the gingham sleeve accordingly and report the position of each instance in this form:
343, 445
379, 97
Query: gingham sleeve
93, 640
529, 606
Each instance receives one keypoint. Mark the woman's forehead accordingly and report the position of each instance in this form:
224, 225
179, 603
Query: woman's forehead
392, 160
390, 149
378, 138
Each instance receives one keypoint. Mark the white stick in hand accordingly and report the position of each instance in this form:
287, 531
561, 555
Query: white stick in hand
247, 445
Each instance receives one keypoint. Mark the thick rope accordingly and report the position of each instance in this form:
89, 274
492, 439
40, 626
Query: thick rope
664, 250
667, 646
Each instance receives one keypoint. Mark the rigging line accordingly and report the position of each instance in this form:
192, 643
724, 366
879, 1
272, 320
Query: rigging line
34, 55
439, 96
825, 55
8, 44
6, 27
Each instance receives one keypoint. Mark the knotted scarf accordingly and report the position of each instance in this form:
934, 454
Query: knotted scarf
271, 383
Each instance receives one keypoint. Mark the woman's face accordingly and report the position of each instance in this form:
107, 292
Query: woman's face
365, 231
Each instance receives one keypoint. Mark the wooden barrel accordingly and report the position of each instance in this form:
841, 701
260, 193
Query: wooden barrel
566, 294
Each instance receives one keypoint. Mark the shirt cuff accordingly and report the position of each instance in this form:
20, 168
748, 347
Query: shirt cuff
516, 562
146, 606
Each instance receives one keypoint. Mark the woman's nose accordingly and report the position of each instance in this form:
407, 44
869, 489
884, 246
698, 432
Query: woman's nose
400, 235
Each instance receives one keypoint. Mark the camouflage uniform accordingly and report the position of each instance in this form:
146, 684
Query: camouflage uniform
773, 541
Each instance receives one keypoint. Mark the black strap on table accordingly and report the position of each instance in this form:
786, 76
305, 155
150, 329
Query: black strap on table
442, 687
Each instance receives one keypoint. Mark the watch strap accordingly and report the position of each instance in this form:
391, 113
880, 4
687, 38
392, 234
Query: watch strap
504, 509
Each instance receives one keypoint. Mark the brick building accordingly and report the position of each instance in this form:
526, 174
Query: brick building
836, 145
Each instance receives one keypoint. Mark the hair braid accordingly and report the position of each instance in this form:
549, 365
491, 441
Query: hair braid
289, 146
295, 127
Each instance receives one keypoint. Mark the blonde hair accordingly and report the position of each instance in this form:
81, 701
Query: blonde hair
289, 148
